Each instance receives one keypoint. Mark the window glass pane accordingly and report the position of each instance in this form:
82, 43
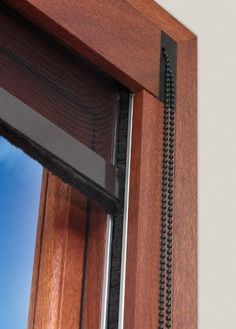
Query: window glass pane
20, 184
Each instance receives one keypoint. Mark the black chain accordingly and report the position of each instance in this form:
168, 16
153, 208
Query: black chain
167, 209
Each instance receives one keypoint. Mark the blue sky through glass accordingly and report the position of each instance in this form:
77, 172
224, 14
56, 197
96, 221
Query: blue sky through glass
20, 183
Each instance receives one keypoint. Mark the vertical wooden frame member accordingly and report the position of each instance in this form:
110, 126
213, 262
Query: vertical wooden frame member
94, 268
141, 297
67, 283
37, 253
60, 248
142, 272
185, 210
69, 259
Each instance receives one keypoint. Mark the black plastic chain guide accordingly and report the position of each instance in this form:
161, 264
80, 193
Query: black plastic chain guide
168, 96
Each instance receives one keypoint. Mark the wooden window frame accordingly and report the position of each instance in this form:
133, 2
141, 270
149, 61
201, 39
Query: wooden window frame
123, 39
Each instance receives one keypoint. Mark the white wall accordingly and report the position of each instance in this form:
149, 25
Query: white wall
214, 21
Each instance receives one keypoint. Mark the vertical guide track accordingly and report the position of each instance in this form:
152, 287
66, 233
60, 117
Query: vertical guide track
120, 220
108, 246
126, 210
106, 275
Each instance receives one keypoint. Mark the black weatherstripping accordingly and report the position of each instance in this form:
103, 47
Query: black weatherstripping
59, 152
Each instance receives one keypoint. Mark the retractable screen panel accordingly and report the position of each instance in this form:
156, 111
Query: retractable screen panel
65, 91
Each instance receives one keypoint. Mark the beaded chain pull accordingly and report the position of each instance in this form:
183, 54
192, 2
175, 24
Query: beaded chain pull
167, 201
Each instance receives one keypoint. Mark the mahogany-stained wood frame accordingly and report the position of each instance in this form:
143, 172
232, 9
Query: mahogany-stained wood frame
122, 38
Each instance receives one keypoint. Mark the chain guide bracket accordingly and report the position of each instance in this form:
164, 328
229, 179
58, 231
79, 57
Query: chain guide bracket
168, 97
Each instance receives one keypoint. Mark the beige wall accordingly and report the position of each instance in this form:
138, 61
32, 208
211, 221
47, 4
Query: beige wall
214, 21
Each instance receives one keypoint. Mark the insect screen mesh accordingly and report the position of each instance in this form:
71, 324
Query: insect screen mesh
57, 84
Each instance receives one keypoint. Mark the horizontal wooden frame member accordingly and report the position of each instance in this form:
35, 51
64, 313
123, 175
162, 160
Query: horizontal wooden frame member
121, 37
109, 33
62, 19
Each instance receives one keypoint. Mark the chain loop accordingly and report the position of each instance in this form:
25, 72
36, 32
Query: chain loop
167, 203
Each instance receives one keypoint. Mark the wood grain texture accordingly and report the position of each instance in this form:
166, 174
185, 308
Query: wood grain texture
38, 249
67, 283
141, 308
185, 211
110, 33
60, 273
94, 271
141, 297
161, 18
